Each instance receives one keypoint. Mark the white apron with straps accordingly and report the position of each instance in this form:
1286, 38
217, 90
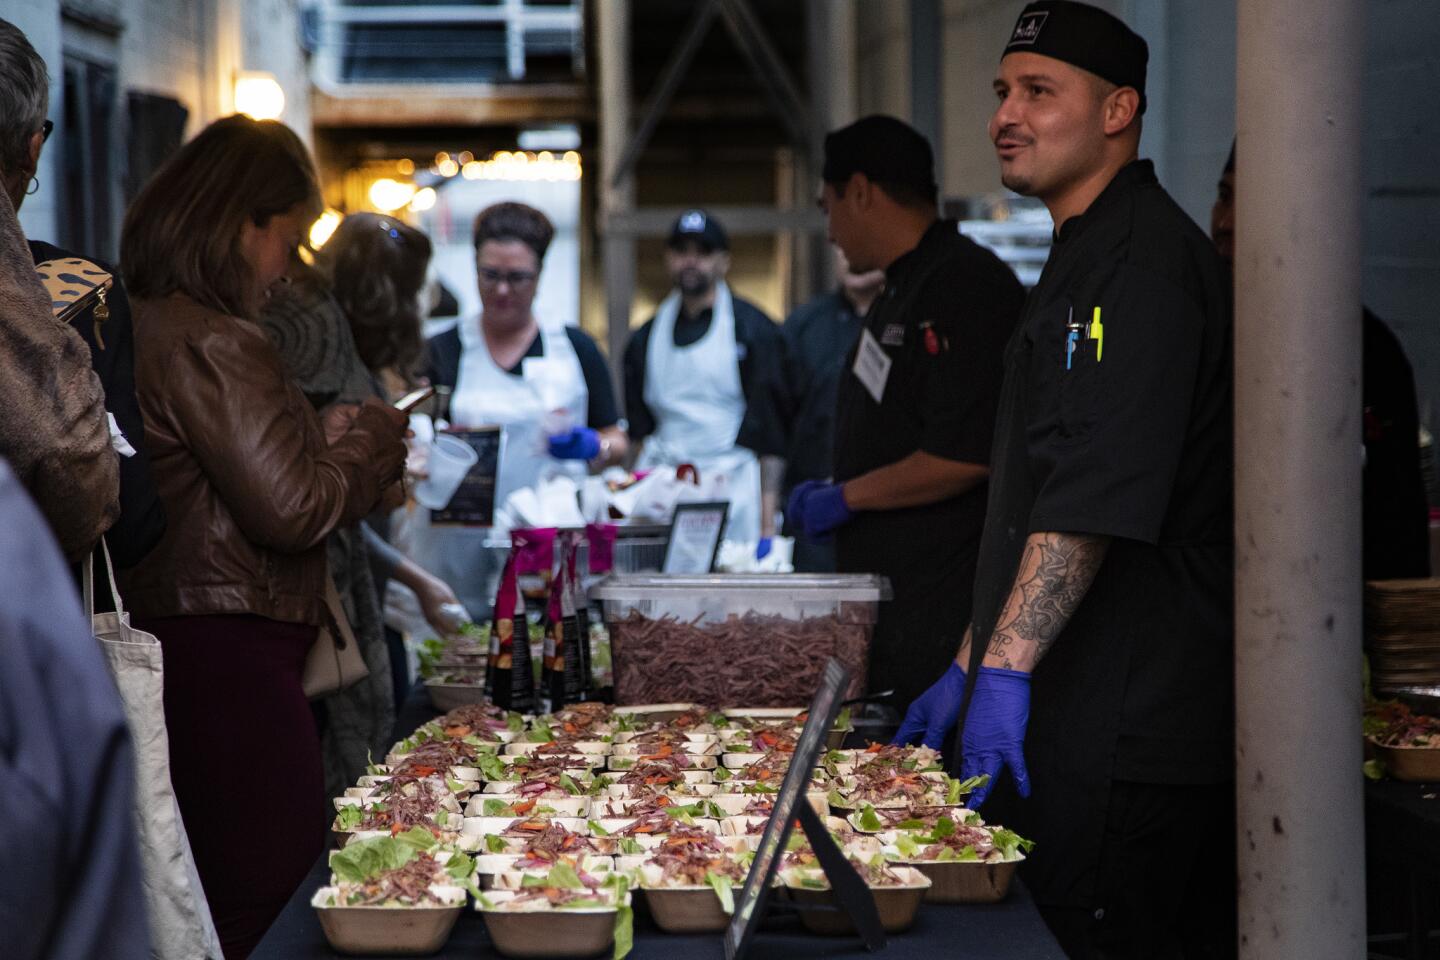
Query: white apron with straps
698, 402
549, 396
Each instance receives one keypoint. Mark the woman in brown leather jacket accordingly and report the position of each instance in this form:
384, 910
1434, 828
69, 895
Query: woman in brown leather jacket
235, 590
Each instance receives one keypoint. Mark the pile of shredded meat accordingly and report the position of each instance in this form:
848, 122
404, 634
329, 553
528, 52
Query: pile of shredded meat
763, 661
409, 884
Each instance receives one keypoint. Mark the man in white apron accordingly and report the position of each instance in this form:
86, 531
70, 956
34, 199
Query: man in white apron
704, 382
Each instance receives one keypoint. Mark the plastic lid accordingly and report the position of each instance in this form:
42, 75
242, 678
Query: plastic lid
801, 586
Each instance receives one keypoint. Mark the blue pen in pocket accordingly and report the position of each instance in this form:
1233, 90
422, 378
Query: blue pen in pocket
1072, 335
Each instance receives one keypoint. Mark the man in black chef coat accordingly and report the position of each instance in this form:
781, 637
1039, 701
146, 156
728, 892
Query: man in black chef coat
819, 336
1394, 511
916, 406
1106, 566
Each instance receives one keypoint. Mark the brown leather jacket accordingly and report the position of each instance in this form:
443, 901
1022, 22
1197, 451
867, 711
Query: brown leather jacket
239, 456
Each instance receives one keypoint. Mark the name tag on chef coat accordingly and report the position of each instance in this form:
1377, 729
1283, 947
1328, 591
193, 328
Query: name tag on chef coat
872, 366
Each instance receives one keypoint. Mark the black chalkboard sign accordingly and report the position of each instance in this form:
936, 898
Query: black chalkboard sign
473, 504
850, 890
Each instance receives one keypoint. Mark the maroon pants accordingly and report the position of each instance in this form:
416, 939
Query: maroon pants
245, 762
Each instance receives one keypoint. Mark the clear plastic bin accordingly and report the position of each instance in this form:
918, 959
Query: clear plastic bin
754, 640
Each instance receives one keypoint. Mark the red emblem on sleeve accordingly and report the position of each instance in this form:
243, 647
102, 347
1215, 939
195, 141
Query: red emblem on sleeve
932, 341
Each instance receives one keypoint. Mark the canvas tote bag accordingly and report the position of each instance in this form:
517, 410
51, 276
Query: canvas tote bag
179, 915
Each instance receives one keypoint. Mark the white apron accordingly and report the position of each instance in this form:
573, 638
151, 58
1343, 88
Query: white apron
698, 402
548, 397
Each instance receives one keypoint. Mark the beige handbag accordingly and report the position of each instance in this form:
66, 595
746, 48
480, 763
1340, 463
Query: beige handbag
335, 661
179, 915
74, 285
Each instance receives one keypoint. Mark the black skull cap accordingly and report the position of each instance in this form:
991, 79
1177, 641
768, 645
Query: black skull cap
1085, 37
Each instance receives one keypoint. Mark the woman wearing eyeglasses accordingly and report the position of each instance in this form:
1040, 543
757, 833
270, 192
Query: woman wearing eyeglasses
549, 390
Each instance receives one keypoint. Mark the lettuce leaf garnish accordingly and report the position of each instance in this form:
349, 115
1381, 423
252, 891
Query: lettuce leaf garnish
1010, 843
493, 768
459, 866
722, 887
350, 817
360, 860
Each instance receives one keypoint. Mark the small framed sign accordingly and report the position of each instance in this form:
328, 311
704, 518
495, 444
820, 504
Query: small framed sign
695, 535
851, 893
473, 504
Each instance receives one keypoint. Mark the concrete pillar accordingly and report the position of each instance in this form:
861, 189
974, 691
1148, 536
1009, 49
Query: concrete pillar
617, 249
833, 104
927, 29
1297, 479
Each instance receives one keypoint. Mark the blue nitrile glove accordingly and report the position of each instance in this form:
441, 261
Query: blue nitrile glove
816, 508
994, 736
577, 443
763, 548
935, 711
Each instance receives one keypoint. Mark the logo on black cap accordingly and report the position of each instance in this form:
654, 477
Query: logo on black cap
692, 222
1027, 28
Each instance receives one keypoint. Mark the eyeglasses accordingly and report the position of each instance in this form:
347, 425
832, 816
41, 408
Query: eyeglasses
515, 279
46, 128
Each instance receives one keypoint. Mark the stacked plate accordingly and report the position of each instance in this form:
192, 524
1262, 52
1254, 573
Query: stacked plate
1402, 628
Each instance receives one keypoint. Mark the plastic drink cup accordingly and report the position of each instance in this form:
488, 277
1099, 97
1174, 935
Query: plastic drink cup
450, 459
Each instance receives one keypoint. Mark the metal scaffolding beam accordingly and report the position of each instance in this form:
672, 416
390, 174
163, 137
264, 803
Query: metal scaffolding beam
739, 220
680, 59
617, 185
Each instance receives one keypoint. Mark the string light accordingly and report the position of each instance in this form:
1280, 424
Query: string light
520, 165
389, 195
423, 200
259, 95
324, 228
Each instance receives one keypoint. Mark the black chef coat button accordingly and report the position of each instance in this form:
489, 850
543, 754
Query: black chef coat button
1100, 914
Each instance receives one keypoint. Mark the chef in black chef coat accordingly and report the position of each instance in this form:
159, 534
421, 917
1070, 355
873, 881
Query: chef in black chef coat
1395, 515
1106, 568
916, 406
819, 336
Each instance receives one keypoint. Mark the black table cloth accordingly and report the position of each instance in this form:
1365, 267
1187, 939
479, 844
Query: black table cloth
1012, 930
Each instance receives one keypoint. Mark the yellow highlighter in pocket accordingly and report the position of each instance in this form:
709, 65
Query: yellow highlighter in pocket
1097, 333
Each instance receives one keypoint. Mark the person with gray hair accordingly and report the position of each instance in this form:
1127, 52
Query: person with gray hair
53, 427
24, 129
24, 101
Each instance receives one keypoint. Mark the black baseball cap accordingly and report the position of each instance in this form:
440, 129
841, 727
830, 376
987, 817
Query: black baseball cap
1085, 37
699, 226
883, 148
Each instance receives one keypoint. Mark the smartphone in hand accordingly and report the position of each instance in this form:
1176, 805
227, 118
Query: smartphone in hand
414, 398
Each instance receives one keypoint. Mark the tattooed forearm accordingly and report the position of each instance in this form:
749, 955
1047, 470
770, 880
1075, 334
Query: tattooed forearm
1055, 572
